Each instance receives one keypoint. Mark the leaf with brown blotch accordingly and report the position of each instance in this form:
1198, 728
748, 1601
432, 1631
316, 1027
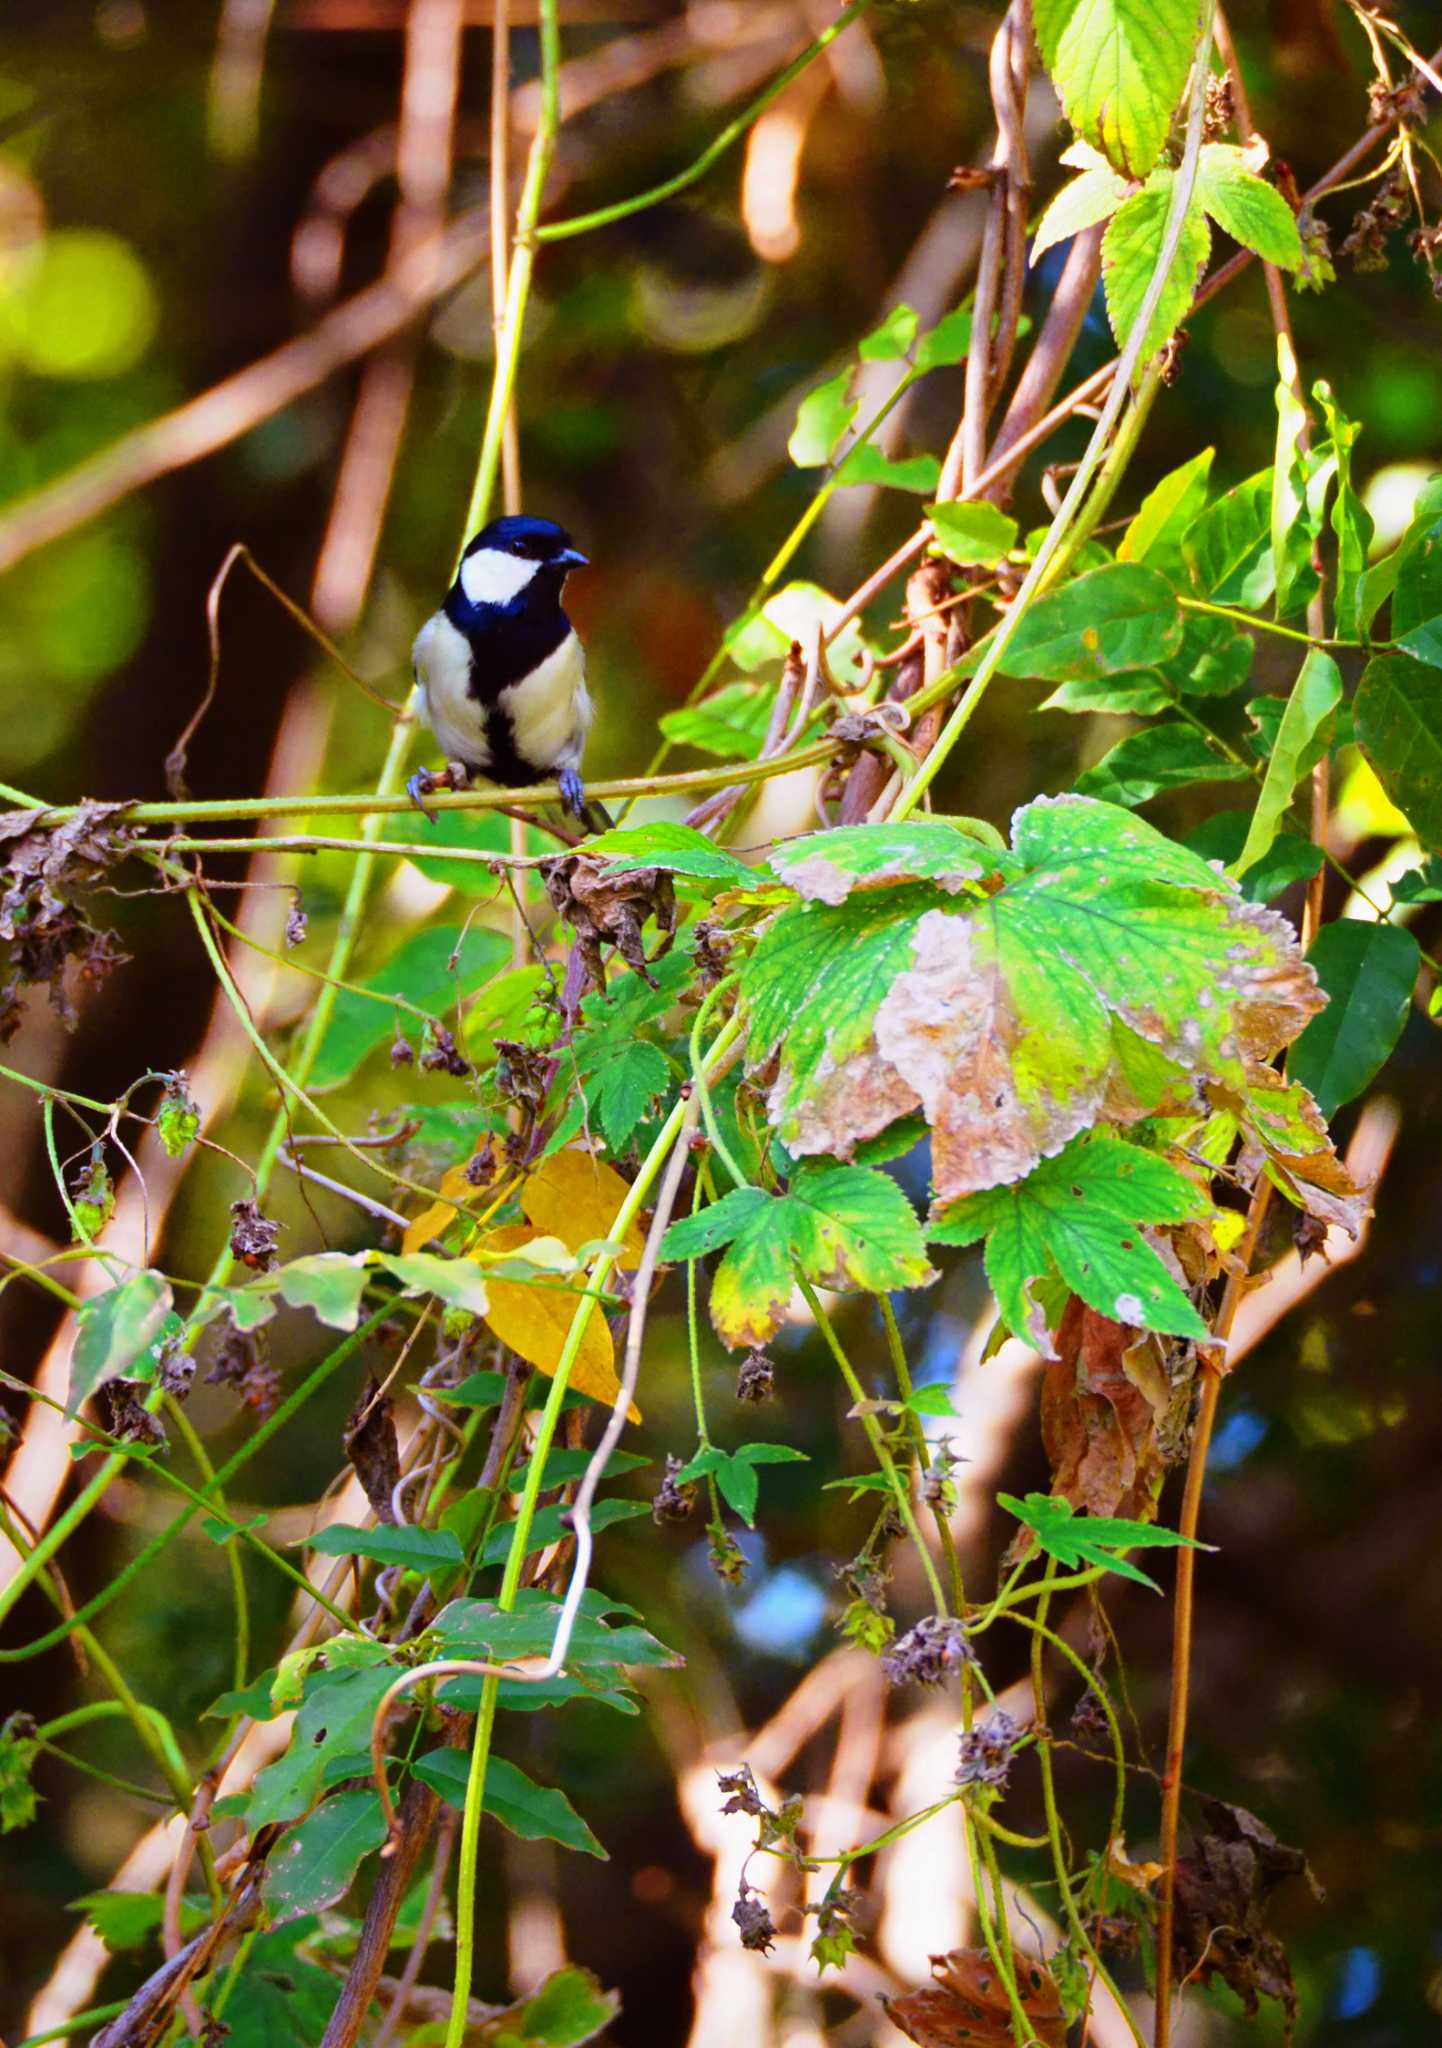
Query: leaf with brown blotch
1006, 1007
1103, 1400
1287, 1134
966, 2006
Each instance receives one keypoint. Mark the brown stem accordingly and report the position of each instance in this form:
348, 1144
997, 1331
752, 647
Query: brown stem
1036, 387
414, 1827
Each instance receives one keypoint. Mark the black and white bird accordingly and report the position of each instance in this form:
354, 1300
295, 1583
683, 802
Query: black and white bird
501, 673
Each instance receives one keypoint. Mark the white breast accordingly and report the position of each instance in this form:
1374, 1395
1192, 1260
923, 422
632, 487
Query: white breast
550, 709
442, 658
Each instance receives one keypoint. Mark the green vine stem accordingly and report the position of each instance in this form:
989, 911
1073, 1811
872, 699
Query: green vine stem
650, 1168
1183, 184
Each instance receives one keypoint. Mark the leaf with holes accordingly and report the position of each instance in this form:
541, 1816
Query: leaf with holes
847, 1226
1080, 1215
1004, 1017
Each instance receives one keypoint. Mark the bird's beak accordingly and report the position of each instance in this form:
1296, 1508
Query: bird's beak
572, 558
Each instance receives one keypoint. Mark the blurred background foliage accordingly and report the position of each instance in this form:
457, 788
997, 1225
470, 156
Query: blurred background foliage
156, 239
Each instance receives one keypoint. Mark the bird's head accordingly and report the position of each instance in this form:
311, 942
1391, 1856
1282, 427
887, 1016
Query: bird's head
517, 555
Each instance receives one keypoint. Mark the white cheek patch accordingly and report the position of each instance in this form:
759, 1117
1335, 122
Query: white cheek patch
490, 576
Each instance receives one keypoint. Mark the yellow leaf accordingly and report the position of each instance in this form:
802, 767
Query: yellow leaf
576, 1197
435, 1221
534, 1321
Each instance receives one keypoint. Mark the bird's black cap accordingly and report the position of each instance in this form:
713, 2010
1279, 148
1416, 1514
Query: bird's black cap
534, 540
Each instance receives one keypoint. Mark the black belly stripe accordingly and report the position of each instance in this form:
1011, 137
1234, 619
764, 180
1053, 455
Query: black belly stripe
506, 766
506, 641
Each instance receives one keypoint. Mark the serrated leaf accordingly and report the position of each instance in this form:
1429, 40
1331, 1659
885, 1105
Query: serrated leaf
1314, 697
846, 1226
1155, 534
889, 342
128, 1919
1074, 1539
1105, 623
1094, 196
1167, 756
1119, 67
330, 1284
418, 1550
457, 1282
569, 2009
115, 1333
1286, 1134
1131, 250
827, 867
972, 534
997, 1017
19, 1801
822, 420
1398, 710
1368, 972
316, 1863
1228, 549
419, 970
678, 849
1246, 207
536, 1813
1080, 1214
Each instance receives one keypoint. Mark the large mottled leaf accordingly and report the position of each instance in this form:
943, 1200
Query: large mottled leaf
537, 1813
115, 1333
844, 1226
1131, 251
1119, 67
421, 971
316, 1863
1167, 756
827, 867
1399, 724
1285, 1135
1315, 696
996, 1016
1368, 972
1080, 1215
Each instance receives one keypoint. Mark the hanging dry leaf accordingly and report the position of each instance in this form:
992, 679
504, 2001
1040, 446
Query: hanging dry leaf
1103, 1400
534, 1321
967, 2007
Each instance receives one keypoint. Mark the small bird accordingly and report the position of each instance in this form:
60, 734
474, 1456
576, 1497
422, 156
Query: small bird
501, 673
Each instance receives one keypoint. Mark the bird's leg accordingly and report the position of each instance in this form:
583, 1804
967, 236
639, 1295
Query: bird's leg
592, 817
426, 781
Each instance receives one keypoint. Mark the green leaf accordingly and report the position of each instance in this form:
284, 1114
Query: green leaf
1368, 972
278, 2000
1351, 521
1131, 250
1168, 756
822, 420
316, 1863
1082, 1540
618, 1087
19, 1801
481, 1629
1315, 696
999, 1016
1420, 885
846, 1226
1301, 479
890, 342
932, 1400
464, 832
334, 1720
1105, 623
569, 2009
760, 639
128, 1919
947, 343
567, 1465
419, 970
178, 1119
1398, 710
534, 1812
1289, 859
866, 464
547, 1527
1246, 207
1417, 583
457, 1282
734, 1472
1119, 67
972, 534
115, 1332
1092, 197
1214, 660
1228, 550
1139, 695
1080, 1215
678, 849
731, 722
478, 1390
1155, 534
417, 1550
329, 1283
